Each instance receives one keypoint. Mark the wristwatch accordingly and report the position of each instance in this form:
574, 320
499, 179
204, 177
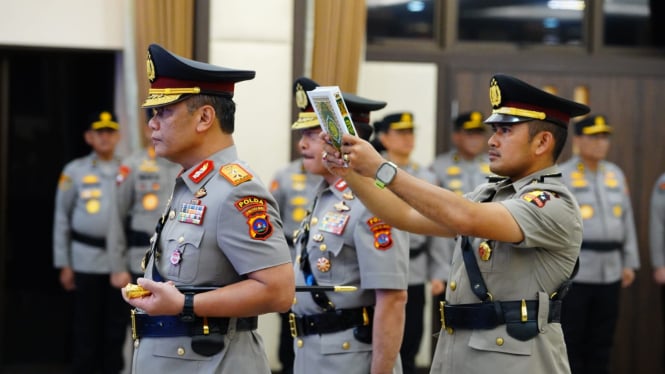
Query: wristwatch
187, 314
385, 174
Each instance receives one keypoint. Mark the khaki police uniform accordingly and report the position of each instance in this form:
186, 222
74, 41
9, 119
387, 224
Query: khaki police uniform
591, 310
458, 174
657, 223
345, 245
144, 184
503, 300
531, 270
83, 206
341, 243
222, 223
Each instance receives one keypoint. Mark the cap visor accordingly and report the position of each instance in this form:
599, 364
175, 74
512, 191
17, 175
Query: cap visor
506, 119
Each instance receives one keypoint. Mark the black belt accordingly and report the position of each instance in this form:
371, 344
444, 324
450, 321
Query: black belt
137, 238
89, 240
601, 246
492, 314
415, 252
329, 322
144, 325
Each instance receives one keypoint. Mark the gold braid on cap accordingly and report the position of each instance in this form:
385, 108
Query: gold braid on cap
520, 112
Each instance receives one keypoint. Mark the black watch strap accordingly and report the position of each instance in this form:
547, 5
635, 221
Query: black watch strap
187, 314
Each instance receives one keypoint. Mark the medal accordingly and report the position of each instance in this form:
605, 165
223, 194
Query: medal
150, 201
323, 264
92, 206
176, 257
484, 251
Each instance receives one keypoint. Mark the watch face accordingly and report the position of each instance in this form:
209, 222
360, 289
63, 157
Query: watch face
386, 173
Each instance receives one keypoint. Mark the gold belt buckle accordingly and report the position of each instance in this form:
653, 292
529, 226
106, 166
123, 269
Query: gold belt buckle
133, 319
292, 325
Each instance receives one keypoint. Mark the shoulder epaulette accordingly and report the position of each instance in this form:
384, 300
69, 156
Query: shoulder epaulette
235, 174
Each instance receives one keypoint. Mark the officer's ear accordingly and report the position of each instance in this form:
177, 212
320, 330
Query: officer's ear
206, 118
543, 142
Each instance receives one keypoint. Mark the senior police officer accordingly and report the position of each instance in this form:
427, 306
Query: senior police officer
519, 236
219, 257
341, 243
83, 204
143, 185
293, 188
609, 254
429, 258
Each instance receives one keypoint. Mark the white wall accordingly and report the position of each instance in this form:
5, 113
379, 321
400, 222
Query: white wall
64, 23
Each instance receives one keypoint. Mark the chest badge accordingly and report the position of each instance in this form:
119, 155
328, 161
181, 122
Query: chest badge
192, 212
484, 251
176, 257
334, 223
92, 206
323, 264
150, 201
342, 207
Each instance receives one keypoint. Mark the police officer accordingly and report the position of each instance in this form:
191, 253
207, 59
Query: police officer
428, 258
341, 243
82, 214
144, 184
466, 165
461, 170
518, 236
609, 254
293, 188
219, 257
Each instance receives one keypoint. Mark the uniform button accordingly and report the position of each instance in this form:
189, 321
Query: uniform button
181, 351
297, 259
172, 214
314, 221
181, 239
323, 247
453, 285
450, 330
499, 341
295, 300
346, 345
136, 343
300, 343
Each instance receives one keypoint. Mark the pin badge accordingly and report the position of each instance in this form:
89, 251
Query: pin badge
323, 264
484, 251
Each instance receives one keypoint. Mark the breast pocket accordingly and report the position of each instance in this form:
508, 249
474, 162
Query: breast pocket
490, 257
183, 252
328, 266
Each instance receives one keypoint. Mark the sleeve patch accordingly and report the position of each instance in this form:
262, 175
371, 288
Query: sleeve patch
538, 198
382, 231
65, 182
255, 210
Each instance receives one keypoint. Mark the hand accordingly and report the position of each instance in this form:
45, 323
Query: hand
119, 280
359, 154
438, 286
67, 279
659, 275
165, 299
627, 277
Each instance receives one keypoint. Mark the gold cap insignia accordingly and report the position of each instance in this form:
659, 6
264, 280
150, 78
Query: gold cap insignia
150, 69
301, 97
495, 93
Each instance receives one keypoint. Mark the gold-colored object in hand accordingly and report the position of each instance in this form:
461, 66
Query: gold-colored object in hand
133, 291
